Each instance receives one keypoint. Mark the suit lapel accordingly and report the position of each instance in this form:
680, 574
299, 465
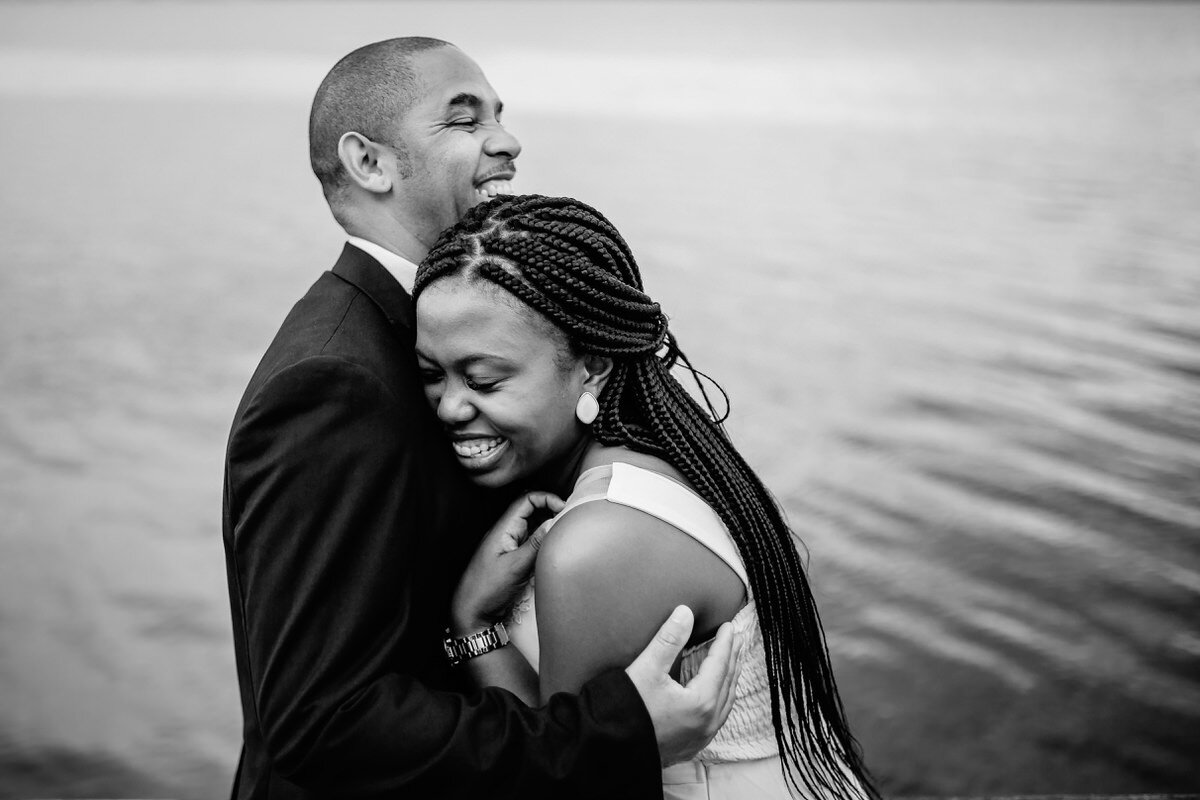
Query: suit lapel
369, 276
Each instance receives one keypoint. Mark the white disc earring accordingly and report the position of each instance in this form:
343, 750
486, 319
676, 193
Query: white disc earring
587, 409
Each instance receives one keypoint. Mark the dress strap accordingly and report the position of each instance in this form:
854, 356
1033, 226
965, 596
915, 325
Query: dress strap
677, 505
591, 485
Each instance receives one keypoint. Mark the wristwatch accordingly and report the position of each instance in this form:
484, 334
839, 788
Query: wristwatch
464, 648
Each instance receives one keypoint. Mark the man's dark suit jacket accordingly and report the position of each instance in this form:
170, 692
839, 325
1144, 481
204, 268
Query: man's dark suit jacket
346, 524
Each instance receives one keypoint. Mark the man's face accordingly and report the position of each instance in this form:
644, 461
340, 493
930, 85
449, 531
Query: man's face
457, 153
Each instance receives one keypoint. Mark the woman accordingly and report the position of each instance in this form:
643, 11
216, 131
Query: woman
541, 355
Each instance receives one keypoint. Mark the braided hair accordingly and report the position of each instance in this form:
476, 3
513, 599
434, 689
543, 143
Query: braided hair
566, 261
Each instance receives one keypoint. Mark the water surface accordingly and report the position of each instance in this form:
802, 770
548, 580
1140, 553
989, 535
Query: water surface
944, 257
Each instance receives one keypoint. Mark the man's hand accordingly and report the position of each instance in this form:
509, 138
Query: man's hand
686, 717
501, 566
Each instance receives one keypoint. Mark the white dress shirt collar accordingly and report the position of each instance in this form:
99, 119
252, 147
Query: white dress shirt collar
401, 268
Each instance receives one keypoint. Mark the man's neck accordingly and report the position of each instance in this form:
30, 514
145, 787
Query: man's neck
393, 238
403, 270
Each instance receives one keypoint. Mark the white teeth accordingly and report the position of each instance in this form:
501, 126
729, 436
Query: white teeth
476, 448
490, 189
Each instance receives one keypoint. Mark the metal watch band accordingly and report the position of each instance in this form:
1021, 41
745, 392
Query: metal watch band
464, 648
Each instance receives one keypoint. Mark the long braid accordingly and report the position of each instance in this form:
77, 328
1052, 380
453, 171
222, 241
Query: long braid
566, 261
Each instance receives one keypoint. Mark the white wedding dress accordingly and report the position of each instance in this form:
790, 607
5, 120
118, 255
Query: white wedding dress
742, 761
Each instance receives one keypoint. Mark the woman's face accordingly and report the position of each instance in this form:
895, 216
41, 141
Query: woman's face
503, 382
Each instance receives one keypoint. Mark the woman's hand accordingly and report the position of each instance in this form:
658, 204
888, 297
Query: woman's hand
501, 566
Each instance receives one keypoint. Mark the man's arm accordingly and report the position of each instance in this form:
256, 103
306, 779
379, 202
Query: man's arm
319, 466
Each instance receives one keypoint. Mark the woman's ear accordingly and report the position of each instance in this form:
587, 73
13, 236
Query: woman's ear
596, 372
365, 162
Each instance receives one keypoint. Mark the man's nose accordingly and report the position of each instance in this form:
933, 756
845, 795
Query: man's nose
453, 407
502, 143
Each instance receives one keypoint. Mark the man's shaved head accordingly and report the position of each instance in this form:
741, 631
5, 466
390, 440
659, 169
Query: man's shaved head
366, 92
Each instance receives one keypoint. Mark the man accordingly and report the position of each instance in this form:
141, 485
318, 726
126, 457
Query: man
346, 523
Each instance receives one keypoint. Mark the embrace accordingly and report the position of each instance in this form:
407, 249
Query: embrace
463, 492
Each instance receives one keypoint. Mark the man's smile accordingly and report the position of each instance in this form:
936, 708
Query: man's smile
496, 182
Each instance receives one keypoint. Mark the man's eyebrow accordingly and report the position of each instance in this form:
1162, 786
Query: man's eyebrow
471, 101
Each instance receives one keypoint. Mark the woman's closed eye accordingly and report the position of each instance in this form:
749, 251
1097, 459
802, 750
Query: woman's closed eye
481, 384
431, 377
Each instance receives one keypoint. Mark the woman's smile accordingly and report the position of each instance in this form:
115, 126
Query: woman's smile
479, 453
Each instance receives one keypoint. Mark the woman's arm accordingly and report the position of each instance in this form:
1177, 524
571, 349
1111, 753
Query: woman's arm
505, 668
498, 572
607, 575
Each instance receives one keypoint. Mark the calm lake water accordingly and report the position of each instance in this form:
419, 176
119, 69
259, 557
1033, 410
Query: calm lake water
944, 257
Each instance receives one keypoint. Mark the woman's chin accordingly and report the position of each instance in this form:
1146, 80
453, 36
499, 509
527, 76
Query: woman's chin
496, 473
490, 480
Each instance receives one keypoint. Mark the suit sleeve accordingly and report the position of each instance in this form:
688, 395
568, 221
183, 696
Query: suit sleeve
325, 489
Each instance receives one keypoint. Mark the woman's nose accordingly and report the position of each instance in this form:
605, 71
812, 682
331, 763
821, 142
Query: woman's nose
453, 407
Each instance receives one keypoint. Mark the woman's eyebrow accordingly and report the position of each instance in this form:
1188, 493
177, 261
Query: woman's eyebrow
475, 358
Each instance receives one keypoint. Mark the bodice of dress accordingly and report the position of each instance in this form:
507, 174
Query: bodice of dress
748, 733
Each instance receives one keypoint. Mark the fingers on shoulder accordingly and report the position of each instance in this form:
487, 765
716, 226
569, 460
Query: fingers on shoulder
545, 500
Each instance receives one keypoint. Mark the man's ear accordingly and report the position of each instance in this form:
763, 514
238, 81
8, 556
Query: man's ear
367, 163
597, 369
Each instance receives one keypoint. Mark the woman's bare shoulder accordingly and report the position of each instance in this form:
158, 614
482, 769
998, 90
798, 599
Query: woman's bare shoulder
607, 536
629, 562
